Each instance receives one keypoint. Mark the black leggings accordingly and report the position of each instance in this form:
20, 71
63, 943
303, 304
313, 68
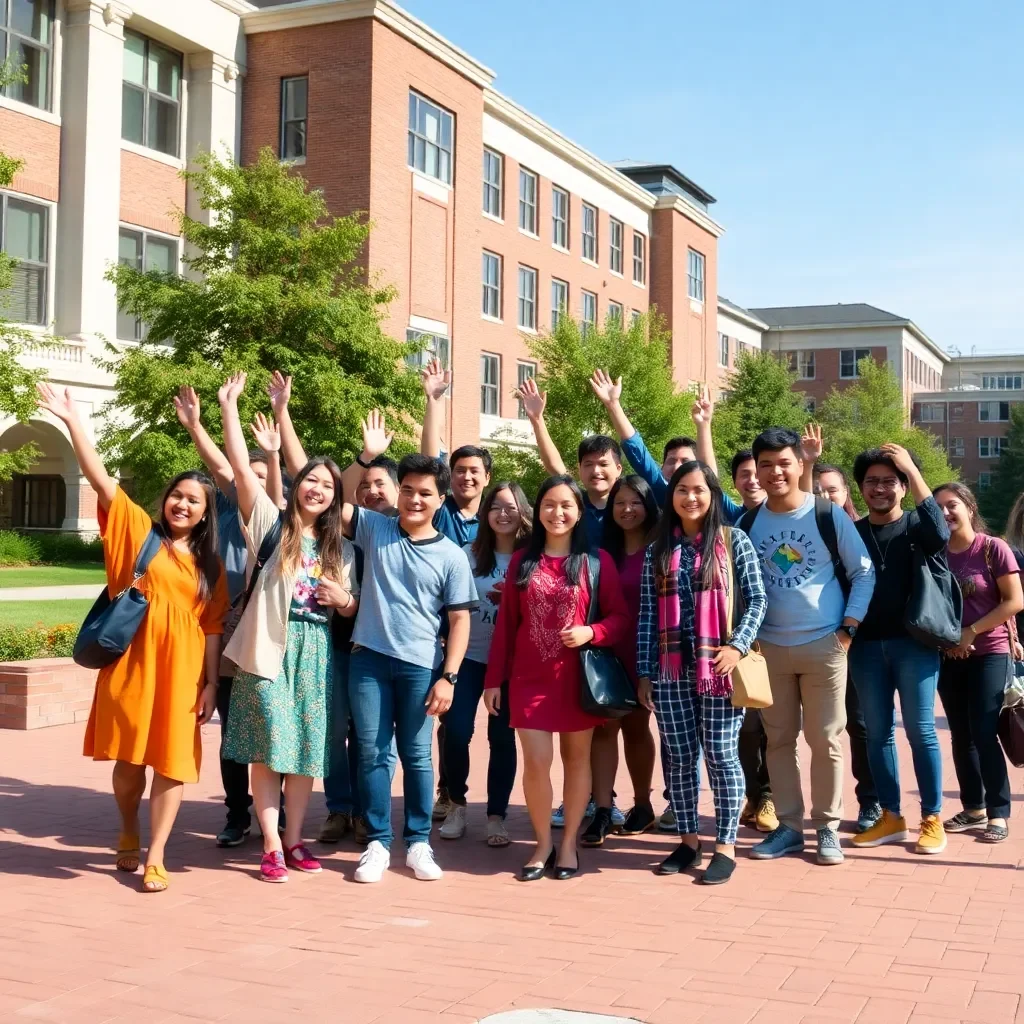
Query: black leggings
971, 690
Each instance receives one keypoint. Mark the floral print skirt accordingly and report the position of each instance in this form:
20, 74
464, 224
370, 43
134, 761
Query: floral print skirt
285, 723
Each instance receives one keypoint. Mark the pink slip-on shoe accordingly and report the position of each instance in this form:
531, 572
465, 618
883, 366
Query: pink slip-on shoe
301, 859
272, 867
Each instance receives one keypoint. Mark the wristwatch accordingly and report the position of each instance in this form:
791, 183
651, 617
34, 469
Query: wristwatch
850, 631
359, 462
452, 677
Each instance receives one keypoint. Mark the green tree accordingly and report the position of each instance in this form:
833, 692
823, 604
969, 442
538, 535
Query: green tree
867, 414
1008, 476
273, 282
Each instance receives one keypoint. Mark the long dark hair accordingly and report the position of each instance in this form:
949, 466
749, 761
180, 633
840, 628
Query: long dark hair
966, 495
579, 548
613, 539
1014, 535
486, 540
203, 541
327, 527
711, 528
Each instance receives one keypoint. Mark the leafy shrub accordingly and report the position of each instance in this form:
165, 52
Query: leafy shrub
17, 549
68, 547
23, 643
60, 640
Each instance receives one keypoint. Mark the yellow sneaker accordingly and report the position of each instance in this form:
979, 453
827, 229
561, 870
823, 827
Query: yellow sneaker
890, 828
766, 820
932, 836
748, 813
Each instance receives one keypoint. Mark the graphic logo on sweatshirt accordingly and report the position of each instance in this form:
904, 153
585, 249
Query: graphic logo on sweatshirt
788, 557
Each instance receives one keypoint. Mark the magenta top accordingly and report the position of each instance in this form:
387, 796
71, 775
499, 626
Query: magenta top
977, 570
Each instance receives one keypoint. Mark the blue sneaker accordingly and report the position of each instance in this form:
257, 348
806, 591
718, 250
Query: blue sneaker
618, 818
829, 850
558, 817
778, 843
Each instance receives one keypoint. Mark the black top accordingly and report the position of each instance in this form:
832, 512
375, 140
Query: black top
892, 544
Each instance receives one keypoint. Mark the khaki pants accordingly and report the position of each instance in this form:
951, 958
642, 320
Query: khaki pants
809, 678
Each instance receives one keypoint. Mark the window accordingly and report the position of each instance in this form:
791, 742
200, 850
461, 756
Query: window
38, 501
490, 383
150, 94
849, 358
695, 275
26, 28
802, 364
723, 349
431, 130
429, 346
492, 286
589, 233
634, 317
528, 202
1002, 382
990, 447
615, 313
931, 412
294, 96
559, 217
956, 447
559, 300
527, 313
615, 245
494, 174
984, 481
809, 405
524, 371
145, 252
639, 259
993, 412
25, 238
589, 303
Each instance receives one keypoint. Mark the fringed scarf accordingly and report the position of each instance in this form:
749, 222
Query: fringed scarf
710, 619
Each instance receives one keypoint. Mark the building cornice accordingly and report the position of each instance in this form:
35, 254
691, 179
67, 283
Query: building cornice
907, 325
504, 109
238, 7
743, 316
322, 12
699, 217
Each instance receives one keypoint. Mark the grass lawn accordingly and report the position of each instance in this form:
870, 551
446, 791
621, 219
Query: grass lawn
43, 613
52, 575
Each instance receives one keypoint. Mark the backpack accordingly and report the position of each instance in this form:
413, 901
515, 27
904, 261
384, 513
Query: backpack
826, 527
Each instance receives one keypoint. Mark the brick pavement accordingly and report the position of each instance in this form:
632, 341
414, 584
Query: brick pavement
888, 938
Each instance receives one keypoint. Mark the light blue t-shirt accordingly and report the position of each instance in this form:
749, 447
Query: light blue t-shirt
805, 601
485, 615
406, 586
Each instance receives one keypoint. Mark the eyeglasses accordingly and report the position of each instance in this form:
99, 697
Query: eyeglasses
505, 511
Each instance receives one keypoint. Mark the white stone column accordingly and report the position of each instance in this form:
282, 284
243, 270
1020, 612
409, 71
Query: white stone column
90, 187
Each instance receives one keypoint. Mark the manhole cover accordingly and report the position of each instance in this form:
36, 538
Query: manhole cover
554, 1017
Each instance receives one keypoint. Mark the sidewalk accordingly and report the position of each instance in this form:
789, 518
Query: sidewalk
51, 593
887, 938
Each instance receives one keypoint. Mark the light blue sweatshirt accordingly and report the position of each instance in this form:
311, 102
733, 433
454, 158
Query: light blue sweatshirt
805, 601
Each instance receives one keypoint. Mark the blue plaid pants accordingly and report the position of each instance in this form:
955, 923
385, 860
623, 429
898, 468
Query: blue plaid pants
690, 723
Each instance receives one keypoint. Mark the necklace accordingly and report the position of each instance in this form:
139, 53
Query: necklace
882, 555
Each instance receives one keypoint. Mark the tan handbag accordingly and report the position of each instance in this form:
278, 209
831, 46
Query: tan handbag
751, 687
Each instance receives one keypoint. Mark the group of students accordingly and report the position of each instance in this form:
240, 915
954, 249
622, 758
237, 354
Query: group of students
351, 625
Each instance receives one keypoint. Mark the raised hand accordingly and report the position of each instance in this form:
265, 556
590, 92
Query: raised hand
534, 400
231, 388
56, 401
280, 391
606, 389
266, 432
376, 436
901, 458
811, 443
186, 405
703, 408
436, 380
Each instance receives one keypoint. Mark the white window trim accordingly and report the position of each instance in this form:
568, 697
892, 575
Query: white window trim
45, 329
155, 154
451, 152
615, 273
590, 263
491, 319
138, 229
490, 216
430, 186
500, 186
497, 386
27, 108
529, 234
558, 248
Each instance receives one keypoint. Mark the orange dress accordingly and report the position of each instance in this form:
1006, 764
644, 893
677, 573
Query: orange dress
145, 707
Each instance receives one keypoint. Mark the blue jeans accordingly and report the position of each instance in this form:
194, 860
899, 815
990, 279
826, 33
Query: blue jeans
388, 701
880, 669
459, 724
341, 786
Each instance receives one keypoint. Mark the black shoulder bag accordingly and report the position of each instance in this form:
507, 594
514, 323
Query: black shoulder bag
935, 606
605, 687
112, 622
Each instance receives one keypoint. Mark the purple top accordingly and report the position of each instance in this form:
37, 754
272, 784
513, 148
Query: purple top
631, 571
977, 574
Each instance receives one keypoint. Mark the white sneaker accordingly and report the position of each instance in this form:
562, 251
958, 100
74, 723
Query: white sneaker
421, 859
454, 826
376, 859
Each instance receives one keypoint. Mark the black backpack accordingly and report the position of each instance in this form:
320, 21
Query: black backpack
826, 527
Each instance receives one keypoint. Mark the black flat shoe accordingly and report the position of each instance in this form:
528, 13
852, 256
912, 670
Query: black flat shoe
680, 859
562, 873
599, 827
533, 872
719, 870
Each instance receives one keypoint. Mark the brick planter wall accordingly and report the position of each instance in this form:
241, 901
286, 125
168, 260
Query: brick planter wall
47, 691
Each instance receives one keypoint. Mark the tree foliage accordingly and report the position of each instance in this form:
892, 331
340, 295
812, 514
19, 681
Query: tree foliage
867, 414
273, 282
1007, 476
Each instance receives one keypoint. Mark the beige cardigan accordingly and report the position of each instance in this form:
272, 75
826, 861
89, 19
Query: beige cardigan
257, 645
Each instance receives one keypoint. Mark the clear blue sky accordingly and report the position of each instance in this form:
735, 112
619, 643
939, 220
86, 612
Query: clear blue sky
859, 152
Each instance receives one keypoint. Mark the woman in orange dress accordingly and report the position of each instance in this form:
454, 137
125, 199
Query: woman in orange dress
149, 704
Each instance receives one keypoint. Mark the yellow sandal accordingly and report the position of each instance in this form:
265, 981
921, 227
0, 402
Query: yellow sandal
154, 879
128, 852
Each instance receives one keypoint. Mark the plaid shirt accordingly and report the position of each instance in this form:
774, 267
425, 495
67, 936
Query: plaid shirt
747, 572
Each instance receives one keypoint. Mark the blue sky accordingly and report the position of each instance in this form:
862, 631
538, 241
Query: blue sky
859, 152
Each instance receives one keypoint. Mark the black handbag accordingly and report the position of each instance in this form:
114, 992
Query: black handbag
605, 687
112, 622
935, 606
1011, 734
